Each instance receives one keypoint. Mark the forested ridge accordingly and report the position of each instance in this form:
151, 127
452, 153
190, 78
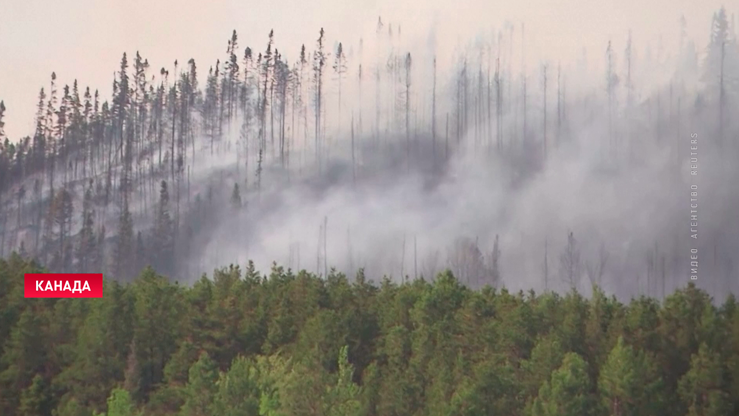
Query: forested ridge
242, 343
368, 153
449, 181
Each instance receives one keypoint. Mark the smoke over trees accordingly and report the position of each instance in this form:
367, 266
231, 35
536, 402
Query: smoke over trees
409, 231
465, 156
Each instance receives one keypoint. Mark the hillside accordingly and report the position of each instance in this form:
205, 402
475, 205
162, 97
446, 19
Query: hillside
243, 343
377, 155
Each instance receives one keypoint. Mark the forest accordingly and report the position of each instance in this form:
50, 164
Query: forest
407, 233
404, 163
242, 343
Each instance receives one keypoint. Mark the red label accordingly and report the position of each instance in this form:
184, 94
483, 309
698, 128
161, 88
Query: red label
64, 285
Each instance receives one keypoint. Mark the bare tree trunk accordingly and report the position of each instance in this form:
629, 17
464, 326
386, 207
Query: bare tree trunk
354, 169
498, 105
523, 80
545, 112
349, 245
5, 231
524, 136
325, 245
546, 265
446, 148
318, 249
678, 144
559, 101
377, 105
407, 109
433, 116
402, 262
489, 103
664, 275
415, 259
722, 97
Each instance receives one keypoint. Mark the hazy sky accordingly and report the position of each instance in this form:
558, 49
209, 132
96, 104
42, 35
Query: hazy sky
84, 39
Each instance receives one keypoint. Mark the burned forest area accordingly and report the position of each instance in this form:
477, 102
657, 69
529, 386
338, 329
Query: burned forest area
381, 226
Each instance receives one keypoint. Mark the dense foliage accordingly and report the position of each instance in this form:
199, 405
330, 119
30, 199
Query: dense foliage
246, 344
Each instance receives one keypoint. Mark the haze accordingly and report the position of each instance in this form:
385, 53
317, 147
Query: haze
38, 37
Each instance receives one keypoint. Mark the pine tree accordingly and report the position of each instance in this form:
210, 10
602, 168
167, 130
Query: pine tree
231, 74
122, 100
120, 403
343, 397
132, 374
87, 116
141, 255
721, 67
611, 82
2, 120
340, 69
259, 171
495, 263
618, 380
568, 391
72, 407
49, 126
433, 114
721, 57
24, 357
20, 194
61, 132
408, 107
570, 264
86, 249
35, 400
546, 357
304, 102
701, 387
100, 260
210, 107
201, 387
267, 70
158, 318
319, 61
282, 80
124, 255
238, 390
163, 238
544, 69
236, 197
39, 137
61, 217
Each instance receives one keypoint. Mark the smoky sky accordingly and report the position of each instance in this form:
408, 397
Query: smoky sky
84, 39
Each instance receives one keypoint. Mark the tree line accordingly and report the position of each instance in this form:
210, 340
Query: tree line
244, 343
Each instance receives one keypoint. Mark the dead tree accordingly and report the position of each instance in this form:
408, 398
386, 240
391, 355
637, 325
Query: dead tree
544, 127
546, 265
570, 264
596, 269
433, 115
